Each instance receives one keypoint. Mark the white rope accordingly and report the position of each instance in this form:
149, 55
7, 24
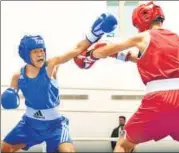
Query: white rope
91, 139
72, 110
96, 89
94, 139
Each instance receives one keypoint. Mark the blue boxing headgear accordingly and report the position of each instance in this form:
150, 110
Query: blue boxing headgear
27, 44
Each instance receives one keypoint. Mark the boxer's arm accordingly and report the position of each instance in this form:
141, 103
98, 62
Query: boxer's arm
57, 60
138, 41
80, 47
14, 81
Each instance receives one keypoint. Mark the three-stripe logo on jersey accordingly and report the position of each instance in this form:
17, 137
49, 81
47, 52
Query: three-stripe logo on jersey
39, 114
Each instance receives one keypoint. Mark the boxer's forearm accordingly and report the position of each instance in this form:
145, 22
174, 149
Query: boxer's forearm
80, 47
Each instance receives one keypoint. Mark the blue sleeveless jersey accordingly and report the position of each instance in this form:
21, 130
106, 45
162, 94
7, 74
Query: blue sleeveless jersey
40, 92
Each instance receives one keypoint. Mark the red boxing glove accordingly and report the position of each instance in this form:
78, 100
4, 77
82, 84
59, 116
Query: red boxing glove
85, 60
82, 61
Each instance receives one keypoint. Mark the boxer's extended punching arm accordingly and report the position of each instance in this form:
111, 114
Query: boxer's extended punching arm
81, 46
10, 98
139, 41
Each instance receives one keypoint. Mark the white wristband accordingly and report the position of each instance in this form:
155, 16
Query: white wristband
91, 37
121, 56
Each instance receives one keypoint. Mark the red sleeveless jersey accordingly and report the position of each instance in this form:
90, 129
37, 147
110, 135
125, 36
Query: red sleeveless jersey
161, 58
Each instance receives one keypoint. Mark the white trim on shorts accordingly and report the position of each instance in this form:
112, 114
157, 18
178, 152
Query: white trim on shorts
162, 85
64, 134
43, 114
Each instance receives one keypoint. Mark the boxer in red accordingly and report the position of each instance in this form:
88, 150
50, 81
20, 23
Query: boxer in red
158, 66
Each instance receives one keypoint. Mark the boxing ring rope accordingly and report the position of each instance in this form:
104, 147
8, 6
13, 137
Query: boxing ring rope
78, 111
94, 139
97, 89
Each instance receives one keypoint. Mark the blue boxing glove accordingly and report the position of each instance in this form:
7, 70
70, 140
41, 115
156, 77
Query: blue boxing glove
105, 23
10, 99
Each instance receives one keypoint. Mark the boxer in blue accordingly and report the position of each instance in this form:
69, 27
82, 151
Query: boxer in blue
37, 80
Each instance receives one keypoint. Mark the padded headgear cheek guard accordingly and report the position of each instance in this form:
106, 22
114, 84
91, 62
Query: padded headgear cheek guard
27, 44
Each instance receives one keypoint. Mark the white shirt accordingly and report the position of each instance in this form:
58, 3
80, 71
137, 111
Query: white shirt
121, 132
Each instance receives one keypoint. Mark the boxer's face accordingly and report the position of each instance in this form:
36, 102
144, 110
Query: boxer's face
38, 57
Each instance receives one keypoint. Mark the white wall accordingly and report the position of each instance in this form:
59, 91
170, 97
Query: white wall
171, 12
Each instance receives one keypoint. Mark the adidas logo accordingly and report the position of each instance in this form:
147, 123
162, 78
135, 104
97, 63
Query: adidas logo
38, 114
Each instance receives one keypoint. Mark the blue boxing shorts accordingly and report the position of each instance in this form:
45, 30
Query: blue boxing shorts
31, 132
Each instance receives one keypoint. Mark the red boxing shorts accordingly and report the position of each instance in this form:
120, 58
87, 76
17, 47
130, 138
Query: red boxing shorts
156, 118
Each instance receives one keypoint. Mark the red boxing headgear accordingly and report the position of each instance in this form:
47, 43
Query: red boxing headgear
145, 14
